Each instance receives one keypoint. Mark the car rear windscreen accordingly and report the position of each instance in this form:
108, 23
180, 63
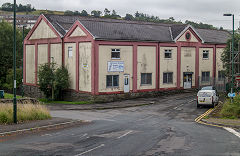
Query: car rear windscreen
204, 94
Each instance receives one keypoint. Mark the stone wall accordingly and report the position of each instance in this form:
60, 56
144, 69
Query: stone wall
71, 95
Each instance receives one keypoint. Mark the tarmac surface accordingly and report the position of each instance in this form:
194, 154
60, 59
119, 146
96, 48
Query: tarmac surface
165, 127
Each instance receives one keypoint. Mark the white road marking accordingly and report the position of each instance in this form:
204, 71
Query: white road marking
232, 131
90, 150
125, 134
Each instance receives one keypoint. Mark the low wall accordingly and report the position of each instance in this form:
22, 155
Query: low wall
21, 101
71, 95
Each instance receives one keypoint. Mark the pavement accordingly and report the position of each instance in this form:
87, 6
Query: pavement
63, 122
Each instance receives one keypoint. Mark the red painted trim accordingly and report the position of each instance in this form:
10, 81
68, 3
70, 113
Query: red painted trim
63, 53
178, 65
197, 66
168, 44
36, 62
157, 66
49, 53
43, 41
214, 62
96, 69
24, 64
126, 43
41, 17
194, 34
77, 66
109, 93
167, 89
146, 90
31, 84
189, 37
221, 46
135, 67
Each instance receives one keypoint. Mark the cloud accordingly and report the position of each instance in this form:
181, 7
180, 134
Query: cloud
206, 11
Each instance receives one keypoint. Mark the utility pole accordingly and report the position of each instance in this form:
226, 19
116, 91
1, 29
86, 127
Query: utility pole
22, 57
14, 65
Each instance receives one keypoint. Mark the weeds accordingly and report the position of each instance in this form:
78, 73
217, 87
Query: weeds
231, 110
25, 112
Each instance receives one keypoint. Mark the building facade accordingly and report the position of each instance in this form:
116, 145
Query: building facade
106, 56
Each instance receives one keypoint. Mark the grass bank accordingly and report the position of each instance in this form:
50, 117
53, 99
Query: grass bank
25, 112
231, 110
10, 96
45, 101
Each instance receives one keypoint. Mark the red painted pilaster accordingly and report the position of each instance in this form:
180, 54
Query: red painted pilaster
134, 67
36, 62
63, 53
197, 66
49, 53
96, 69
214, 62
157, 66
77, 66
178, 65
24, 64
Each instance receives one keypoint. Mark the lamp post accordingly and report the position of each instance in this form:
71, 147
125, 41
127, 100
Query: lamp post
232, 83
14, 65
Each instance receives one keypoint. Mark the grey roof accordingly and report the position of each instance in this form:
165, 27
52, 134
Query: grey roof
112, 29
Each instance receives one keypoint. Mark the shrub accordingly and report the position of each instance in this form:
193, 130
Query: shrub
9, 78
231, 110
25, 112
53, 80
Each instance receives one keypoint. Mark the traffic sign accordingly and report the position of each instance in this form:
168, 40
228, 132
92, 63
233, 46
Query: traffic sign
231, 95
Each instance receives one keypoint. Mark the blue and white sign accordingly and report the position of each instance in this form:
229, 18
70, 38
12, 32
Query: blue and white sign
115, 66
231, 95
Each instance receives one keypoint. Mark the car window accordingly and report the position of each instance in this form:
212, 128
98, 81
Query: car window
204, 94
207, 88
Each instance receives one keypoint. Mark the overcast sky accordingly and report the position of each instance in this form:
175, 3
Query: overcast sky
206, 11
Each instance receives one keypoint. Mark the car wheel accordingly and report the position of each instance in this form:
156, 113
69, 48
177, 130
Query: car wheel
198, 105
213, 104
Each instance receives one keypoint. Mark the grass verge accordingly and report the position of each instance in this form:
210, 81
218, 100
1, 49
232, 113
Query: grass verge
231, 110
45, 101
10, 96
25, 112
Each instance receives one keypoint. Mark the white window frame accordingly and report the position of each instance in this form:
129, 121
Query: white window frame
168, 51
116, 50
205, 52
70, 52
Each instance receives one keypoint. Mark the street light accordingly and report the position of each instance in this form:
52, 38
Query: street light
232, 83
14, 65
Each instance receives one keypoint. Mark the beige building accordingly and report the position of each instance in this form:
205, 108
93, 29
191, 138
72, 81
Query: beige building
106, 56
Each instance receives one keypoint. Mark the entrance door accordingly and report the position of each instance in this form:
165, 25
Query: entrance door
126, 83
187, 80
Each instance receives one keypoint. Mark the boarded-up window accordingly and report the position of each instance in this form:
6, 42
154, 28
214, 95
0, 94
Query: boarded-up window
146, 78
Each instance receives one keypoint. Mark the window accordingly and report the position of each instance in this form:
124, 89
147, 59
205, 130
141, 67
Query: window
205, 76
168, 78
112, 80
168, 53
221, 76
146, 78
70, 52
205, 54
115, 54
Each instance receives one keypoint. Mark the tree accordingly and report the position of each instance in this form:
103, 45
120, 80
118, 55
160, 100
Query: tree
115, 15
96, 13
6, 50
76, 13
129, 17
106, 12
52, 80
225, 57
84, 13
68, 12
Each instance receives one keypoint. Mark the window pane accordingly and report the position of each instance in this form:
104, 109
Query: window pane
146, 78
168, 54
115, 53
109, 80
149, 78
205, 54
170, 77
70, 54
115, 80
164, 77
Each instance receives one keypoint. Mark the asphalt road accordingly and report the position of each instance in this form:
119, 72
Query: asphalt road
166, 128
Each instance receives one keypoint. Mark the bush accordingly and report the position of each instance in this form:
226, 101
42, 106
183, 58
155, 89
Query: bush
25, 112
9, 78
231, 110
53, 80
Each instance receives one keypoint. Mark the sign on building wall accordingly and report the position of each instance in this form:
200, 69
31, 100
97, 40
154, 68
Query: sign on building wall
115, 66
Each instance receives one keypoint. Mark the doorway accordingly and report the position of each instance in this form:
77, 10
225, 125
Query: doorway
187, 80
126, 83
